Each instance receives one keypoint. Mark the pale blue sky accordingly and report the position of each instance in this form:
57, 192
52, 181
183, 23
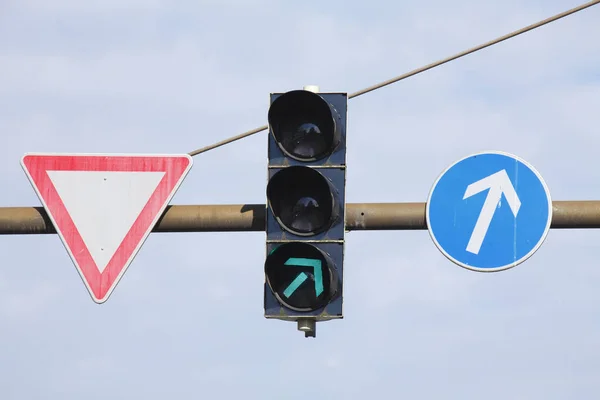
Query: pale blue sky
186, 321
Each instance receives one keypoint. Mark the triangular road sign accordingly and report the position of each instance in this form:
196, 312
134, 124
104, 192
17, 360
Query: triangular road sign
104, 206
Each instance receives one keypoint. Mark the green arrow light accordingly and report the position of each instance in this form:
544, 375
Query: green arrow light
305, 262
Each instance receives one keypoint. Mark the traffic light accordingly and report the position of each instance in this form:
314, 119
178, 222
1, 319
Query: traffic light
306, 207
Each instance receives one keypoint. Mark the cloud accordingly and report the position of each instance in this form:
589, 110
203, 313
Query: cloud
26, 306
71, 7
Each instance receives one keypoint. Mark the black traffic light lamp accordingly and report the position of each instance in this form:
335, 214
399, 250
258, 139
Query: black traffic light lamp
306, 207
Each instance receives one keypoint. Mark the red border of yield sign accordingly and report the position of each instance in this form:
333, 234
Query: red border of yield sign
101, 285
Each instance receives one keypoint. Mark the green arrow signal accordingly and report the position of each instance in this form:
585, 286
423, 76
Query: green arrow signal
305, 262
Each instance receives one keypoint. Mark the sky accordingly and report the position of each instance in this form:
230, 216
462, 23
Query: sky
186, 320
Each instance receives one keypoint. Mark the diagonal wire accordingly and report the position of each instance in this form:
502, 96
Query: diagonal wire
419, 70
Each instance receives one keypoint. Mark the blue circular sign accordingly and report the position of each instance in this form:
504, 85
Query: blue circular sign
489, 211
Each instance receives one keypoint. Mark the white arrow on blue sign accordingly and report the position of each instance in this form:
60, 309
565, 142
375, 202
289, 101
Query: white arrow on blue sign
489, 211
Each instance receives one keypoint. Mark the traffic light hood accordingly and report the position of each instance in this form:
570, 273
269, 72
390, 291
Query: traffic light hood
304, 125
302, 200
301, 276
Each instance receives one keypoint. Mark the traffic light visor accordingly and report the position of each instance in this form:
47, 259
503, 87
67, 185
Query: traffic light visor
302, 200
304, 125
301, 276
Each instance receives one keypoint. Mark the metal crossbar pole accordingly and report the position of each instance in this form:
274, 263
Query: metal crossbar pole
251, 217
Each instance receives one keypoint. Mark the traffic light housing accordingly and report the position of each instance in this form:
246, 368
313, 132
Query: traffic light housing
305, 207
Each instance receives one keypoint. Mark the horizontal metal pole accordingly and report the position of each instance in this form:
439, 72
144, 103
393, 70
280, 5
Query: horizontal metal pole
251, 217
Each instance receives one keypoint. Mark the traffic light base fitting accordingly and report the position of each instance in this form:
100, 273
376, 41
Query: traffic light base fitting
308, 326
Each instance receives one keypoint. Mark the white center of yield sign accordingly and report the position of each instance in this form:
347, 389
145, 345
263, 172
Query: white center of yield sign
118, 199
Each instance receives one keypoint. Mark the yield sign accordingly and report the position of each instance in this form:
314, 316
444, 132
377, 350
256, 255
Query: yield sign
104, 206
